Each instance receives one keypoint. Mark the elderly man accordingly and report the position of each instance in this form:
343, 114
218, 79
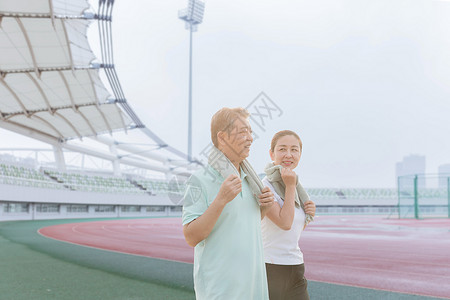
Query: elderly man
223, 207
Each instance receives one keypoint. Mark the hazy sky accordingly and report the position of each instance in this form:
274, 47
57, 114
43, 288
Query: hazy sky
363, 83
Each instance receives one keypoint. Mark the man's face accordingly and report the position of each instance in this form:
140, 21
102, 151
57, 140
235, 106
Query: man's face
237, 144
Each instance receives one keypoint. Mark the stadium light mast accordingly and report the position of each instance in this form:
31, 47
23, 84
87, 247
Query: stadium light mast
192, 16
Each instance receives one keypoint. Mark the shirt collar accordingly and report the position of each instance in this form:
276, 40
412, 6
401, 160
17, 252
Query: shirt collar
243, 174
214, 171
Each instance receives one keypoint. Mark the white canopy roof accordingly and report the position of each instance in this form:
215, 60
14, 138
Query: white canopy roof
44, 7
48, 83
50, 88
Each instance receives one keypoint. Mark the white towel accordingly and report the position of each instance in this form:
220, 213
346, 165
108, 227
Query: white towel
273, 173
225, 167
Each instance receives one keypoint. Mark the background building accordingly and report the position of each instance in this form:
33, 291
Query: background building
444, 172
411, 165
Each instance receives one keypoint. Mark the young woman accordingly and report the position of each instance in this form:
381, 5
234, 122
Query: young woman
285, 221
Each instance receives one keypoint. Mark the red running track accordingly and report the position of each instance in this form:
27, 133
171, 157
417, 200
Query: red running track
407, 256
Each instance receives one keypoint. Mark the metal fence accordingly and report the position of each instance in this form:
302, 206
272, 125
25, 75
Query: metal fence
424, 196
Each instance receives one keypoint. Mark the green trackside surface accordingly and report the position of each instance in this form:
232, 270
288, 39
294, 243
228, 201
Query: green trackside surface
33, 267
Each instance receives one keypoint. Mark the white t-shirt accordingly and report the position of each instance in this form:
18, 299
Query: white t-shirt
281, 246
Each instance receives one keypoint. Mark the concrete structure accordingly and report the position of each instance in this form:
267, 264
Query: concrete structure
444, 174
412, 165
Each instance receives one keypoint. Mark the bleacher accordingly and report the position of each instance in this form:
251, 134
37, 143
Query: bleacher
25, 176
153, 185
53, 179
29, 193
50, 178
353, 193
93, 183
166, 196
28, 176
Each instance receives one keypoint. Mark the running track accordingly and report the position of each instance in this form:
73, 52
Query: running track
407, 256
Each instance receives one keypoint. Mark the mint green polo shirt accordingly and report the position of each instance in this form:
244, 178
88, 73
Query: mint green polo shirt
229, 263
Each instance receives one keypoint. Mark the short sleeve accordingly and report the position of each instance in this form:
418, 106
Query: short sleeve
277, 197
194, 200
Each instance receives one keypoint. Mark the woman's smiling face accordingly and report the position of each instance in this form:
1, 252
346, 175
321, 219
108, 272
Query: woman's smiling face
287, 152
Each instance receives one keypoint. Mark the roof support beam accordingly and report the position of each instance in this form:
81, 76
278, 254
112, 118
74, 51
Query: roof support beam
110, 157
104, 119
11, 116
20, 129
94, 91
41, 91
92, 67
52, 16
53, 109
121, 118
63, 24
69, 92
138, 151
87, 122
98, 106
69, 123
6, 85
59, 157
48, 124
30, 47
85, 16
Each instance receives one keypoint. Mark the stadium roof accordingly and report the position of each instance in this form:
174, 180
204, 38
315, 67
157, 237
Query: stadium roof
50, 87
48, 83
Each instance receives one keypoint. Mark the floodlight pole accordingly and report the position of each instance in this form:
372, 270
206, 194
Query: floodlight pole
448, 196
190, 98
416, 197
192, 16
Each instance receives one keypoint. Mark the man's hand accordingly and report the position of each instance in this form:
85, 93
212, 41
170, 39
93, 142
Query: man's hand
265, 201
266, 197
310, 208
229, 189
199, 229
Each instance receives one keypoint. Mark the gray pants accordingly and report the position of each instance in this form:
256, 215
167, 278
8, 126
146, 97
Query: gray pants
287, 282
